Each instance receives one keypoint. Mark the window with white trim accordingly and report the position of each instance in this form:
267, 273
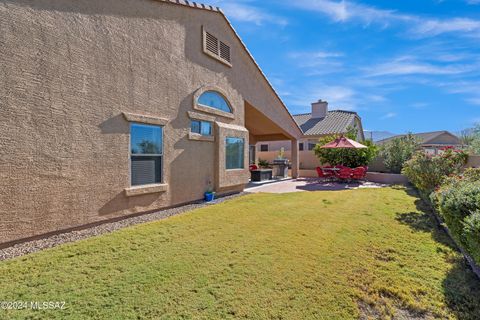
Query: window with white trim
146, 154
264, 147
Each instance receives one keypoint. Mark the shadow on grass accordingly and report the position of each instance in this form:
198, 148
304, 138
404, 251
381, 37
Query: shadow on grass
461, 287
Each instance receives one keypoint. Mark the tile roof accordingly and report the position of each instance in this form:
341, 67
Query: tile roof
423, 137
336, 121
193, 4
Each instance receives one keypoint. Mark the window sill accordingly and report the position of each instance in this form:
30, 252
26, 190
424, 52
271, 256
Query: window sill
145, 119
199, 137
146, 189
210, 110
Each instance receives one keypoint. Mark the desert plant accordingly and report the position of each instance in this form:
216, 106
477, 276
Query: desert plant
398, 151
348, 157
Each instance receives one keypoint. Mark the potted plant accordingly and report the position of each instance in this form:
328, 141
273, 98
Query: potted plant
209, 194
263, 163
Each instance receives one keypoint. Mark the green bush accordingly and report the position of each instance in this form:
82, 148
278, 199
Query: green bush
348, 157
458, 202
263, 163
398, 151
427, 172
472, 235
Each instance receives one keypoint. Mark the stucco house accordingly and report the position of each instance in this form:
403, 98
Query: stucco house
315, 124
431, 142
119, 107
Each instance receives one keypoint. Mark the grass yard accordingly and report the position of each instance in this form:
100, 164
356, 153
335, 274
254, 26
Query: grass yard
370, 253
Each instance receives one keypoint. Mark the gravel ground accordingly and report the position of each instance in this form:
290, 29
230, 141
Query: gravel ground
55, 240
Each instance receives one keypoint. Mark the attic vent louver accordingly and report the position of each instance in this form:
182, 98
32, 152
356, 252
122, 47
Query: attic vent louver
216, 48
224, 51
211, 43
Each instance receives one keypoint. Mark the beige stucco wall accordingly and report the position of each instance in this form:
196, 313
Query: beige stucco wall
307, 159
69, 71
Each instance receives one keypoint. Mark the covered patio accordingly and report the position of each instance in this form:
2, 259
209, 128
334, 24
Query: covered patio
270, 124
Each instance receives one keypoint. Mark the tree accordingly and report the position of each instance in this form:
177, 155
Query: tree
473, 145
398, 151
348, 157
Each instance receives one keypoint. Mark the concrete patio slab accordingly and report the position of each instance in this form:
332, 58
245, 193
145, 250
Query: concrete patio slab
311, 184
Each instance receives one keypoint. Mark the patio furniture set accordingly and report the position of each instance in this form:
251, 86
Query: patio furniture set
341, 173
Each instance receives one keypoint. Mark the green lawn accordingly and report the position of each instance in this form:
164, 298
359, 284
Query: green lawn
370, 253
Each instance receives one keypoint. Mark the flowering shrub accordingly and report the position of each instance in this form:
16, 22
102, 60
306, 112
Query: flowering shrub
458, 202
427, 172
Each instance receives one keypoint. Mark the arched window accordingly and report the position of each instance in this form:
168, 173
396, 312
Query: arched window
215, 100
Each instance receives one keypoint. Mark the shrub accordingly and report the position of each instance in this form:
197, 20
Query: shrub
349, 157
263, 163
427, 172
398, 151
458, 202
472, 235
471, 140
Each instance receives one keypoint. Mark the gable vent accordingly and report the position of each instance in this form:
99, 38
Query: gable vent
216, 48
224, 51
211, 43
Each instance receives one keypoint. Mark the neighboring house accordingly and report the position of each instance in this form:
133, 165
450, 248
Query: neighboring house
316, 124
377, 135
114, 108
431, 142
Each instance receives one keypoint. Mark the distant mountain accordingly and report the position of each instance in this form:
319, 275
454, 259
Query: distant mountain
378, 135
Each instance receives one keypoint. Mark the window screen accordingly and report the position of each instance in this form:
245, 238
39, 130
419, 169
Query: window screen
264, 147
146, 142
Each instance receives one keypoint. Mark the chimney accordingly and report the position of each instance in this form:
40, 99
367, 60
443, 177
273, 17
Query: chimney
319, 109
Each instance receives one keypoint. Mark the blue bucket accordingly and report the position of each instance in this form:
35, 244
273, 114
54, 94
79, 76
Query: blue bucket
209, 196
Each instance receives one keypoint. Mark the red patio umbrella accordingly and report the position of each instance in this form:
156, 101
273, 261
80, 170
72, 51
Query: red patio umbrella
344, 143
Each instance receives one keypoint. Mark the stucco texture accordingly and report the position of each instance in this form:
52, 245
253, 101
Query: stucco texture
70, 69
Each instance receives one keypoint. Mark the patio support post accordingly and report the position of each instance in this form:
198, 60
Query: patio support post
295, 159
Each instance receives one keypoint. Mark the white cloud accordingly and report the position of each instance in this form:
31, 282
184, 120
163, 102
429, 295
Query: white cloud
244, 12
419, 26
389, 115
475, 100
411, 66
435, 27
318, 62
342, 11
473, 2
338, 97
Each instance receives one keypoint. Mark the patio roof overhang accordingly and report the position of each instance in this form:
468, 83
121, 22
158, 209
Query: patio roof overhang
270, 125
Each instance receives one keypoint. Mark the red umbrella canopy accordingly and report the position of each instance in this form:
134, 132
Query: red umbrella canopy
344, 143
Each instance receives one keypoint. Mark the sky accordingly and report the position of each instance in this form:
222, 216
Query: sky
409, 65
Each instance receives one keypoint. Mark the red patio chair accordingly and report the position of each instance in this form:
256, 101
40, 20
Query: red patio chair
323, 174
359, 173
344, 174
